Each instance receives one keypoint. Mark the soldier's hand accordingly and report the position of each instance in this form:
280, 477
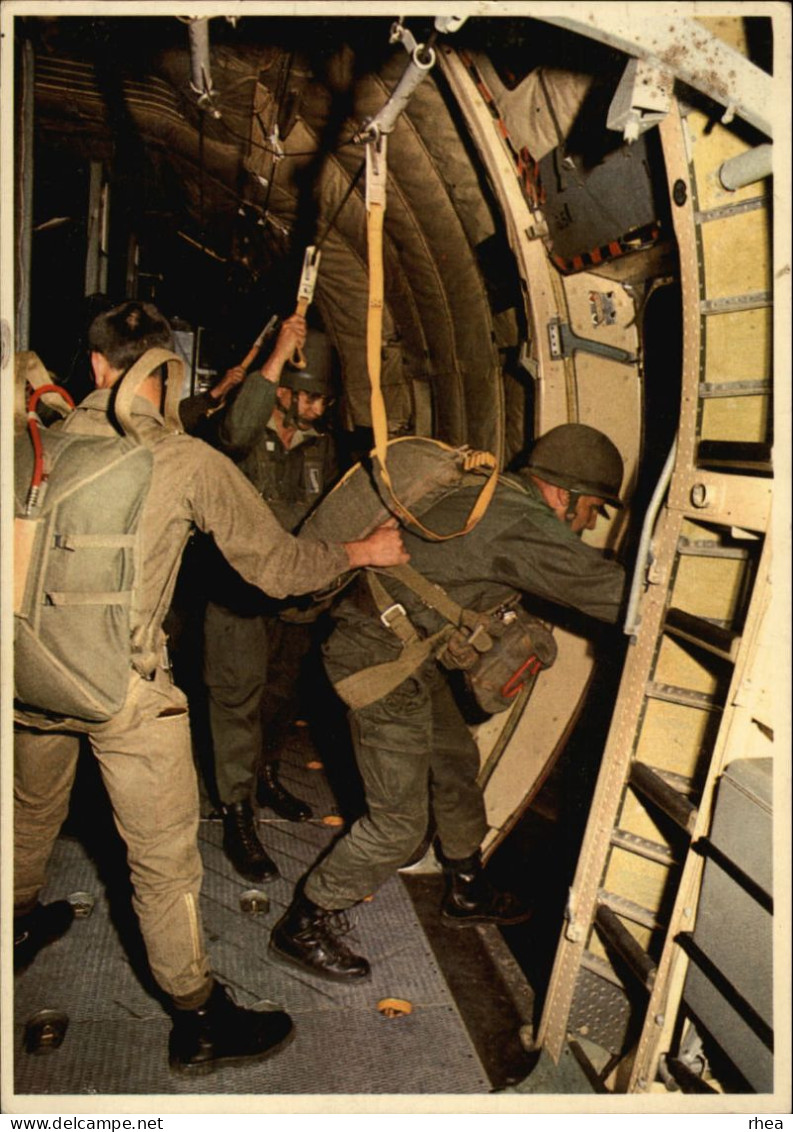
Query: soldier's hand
291, 336
231, 377
383, 547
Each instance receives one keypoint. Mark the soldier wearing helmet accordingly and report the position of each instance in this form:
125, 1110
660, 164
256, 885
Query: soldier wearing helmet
578, 470
415, 754
273, 429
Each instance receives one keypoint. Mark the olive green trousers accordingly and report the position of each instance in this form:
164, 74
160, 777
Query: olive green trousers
415, 755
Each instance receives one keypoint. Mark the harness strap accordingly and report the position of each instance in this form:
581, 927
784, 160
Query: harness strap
375, 213
370, 684
127, 388
392, 614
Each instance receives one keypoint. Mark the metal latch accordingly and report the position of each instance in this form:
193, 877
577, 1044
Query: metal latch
563, 343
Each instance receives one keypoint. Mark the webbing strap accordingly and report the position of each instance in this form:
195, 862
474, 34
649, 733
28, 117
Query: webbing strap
94, 597
392, 614
371, 684
103, 541
135, 376
433, 595
374, 338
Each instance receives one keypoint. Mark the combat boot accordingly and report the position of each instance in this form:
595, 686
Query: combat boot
307, 936
242, 846
471, 898
37, 928
222, 1033
271, 792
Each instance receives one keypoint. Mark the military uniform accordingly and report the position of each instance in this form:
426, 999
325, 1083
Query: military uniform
145, 751
412, 746
251, 658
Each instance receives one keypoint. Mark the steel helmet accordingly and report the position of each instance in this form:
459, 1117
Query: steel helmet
316, 377
581, 459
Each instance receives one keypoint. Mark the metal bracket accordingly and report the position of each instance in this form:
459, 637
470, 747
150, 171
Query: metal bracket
573, 931
308, 277
642, 99
563, 343
376, 172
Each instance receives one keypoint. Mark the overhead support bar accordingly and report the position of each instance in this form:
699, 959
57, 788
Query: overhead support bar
422, 60
687, 49
200, 73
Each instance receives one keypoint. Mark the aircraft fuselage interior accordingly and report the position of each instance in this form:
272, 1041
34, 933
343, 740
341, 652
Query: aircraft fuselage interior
502, 221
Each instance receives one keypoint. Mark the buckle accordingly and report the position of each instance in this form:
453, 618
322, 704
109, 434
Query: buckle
390, 615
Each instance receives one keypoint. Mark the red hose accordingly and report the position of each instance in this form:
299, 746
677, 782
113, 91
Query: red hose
35, 436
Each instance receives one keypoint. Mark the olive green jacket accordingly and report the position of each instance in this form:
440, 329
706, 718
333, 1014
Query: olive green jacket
518, 547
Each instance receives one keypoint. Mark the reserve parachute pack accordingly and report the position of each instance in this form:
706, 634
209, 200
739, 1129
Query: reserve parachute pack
499, 651
78, 500
421, 472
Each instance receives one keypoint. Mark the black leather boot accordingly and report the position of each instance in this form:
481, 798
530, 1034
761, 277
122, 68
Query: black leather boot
222, 1033
271, 792
242, 846
304, 936
35, 929
471, 899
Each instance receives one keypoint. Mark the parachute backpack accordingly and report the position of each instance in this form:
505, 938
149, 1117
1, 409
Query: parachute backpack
78, 501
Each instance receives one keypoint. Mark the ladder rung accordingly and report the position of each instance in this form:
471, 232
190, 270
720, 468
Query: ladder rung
642, 847
628, 909
709, 548
709, 636
678, 782
602, 968
645, 780
751, 300
757, 388
687, 697
749, 456
617, 936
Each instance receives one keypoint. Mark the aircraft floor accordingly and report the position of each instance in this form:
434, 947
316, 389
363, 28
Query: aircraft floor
116, 1040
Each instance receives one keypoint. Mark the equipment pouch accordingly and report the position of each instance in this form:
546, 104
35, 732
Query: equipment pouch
520, 650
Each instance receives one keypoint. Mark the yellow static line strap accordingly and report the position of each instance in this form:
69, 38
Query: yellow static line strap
374, 338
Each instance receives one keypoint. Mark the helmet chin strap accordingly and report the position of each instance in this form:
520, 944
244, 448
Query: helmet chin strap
572, 505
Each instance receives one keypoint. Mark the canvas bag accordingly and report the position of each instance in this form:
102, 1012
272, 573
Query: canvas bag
77, 561
422, 471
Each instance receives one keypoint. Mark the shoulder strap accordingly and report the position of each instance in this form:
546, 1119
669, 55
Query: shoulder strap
432, 594
133, 379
